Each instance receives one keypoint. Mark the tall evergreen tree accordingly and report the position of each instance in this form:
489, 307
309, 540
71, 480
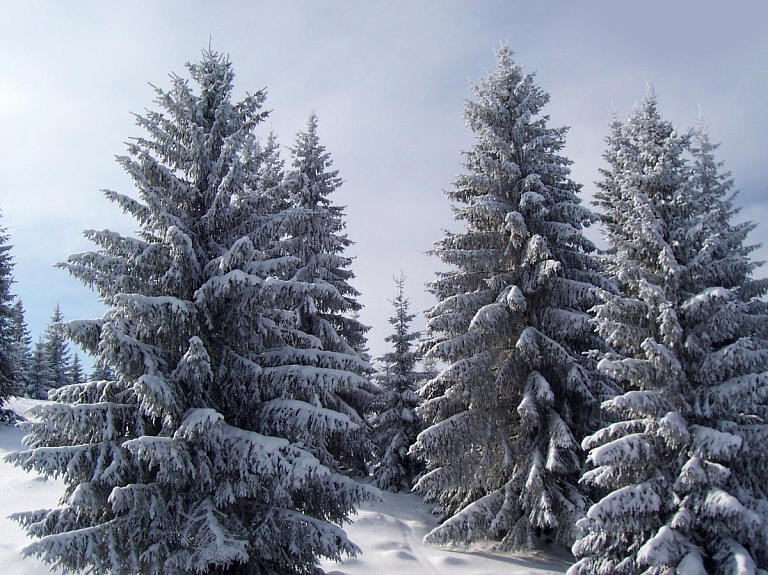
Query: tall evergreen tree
22, 348
165, 468
509, 411
682, 469
309, 227
396, 425
7, 348
57, 349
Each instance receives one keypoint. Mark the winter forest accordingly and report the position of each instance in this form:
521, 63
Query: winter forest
611, 401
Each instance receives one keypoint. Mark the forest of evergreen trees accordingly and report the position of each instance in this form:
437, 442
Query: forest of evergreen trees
612, 401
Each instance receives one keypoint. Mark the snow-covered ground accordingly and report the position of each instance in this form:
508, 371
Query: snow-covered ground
388, 531
20, 491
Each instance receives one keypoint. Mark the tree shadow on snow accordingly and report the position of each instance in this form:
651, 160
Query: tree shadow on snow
555, 559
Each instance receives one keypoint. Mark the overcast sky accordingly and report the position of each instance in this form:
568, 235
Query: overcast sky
387, 80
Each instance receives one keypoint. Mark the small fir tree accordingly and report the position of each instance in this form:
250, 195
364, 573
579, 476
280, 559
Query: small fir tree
22, 349
57, 349
41, 378
682, 469
509, 411
396, 424
166, 467
76, 373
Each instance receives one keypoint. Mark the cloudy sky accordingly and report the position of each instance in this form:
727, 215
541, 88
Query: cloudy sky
387, 80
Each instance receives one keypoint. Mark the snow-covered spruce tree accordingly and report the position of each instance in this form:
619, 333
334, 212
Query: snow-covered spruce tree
41, 378
57, 349
682, 470
7, 348
22, 348
517, 396
75, 371
312, 229
396, 423
164, 468
309, 229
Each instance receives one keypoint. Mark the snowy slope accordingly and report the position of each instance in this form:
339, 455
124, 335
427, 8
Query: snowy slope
20, 491
388, 531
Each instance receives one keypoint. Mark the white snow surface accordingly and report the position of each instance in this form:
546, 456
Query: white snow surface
20, 491
389, 531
